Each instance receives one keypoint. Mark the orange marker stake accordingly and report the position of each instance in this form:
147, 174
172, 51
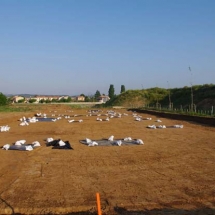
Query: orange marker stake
98, 204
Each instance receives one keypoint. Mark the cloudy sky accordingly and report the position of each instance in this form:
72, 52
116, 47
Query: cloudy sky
80, 46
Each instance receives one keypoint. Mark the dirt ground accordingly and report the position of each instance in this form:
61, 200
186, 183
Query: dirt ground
172, 173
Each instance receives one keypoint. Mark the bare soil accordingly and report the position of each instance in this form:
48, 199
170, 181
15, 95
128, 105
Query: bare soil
172, 173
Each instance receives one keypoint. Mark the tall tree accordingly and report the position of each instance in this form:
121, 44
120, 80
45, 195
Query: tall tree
122, 89
111, 91
97, 94
3, 99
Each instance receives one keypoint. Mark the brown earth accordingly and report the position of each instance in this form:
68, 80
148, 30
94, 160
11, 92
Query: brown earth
172, 173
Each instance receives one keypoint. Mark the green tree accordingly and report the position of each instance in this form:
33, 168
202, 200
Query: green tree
62, 100
3, 99
42, 101
87, 99
32, 100
53, 101
111, 91
21, 100
122, 89
97, 95
69, 99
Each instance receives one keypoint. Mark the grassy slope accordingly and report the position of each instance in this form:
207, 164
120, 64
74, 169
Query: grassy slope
203, 96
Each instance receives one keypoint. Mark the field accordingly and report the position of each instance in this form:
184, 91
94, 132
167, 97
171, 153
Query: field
172, 173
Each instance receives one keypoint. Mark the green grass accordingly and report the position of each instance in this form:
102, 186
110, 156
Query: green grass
9, 108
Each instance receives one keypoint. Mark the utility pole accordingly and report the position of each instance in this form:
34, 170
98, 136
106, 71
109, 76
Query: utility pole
142, 86
144, 100
156, 96
169, 96
191, 107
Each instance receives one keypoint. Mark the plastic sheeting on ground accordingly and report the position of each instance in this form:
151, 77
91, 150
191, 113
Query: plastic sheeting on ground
21, 146
41, 119
163, 126
112, 142
59, 144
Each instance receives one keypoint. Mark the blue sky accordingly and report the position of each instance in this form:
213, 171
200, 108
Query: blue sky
80, 46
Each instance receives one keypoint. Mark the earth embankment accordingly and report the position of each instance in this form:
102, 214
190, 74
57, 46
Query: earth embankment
198, 119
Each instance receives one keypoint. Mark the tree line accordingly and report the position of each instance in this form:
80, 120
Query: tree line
111, 93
